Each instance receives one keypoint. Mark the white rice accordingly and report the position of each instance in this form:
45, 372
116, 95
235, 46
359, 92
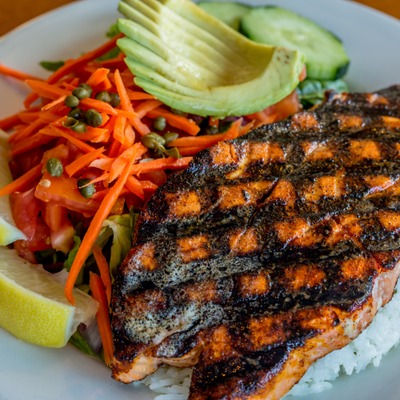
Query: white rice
170, 383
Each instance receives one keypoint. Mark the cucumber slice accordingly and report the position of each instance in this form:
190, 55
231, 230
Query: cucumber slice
230, 13
324, 53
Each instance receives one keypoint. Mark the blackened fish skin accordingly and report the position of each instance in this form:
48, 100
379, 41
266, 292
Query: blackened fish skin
267, 252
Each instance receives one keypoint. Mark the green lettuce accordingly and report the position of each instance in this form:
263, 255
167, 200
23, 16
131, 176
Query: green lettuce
312, 91
119, 229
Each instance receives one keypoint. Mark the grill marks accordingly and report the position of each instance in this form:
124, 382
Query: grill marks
276, 288
264, 248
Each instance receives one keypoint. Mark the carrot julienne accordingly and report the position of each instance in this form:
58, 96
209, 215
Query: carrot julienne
102, 317
177, 121
71, 65
83, 161
98, 76
104, 270
23, 181
13, 73
93, 231
160, 164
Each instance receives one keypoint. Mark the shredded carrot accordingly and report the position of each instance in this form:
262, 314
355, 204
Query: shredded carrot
101, 178
208, 140
83, 161
119, 164
129, 136
46, 90
57, 132
103, 163
104, 270
146, 107
41, 121
13, 73
11, 121
119, 129
72, 65
30, 143
99, 106
148, 185
135, 187
160, 164
30, 99
177, 121
98, 76
102, 317
131, 153
113, 63
114, 149
127, 105
200, 141
23, 181
95, 135
137, 95
93, 231
54, 103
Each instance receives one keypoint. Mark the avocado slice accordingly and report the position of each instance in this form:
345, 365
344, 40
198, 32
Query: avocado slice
228, 12
195, 63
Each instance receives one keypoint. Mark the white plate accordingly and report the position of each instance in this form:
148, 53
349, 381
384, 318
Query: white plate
32, 373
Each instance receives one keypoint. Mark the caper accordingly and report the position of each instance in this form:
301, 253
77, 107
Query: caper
79, 127
159, 123
71, 101
93, 118
70, 122
54, 166
174, 152
86, 189
115, 99
103, 96
170, 136
153, 140
76, 113
82, 91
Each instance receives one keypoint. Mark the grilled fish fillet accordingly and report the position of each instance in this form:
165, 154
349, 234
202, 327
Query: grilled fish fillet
267, 253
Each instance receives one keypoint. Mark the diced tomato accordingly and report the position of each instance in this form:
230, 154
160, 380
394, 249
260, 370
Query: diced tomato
26, 210
61, 229
55, 216
21, 247
25, 162
63, 238
61, 152
41, 239
63, 191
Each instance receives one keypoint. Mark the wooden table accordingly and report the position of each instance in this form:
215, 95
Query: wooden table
15, 12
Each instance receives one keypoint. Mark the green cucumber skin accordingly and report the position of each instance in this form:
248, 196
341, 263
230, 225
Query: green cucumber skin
326, 58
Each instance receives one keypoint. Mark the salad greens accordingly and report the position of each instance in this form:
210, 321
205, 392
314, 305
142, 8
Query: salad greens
312, 91
117, 230
52, 65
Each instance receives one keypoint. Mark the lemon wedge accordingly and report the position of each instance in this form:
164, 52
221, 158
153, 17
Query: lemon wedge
33, 306
8, 231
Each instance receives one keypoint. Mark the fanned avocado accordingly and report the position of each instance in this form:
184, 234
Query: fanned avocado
193, 62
